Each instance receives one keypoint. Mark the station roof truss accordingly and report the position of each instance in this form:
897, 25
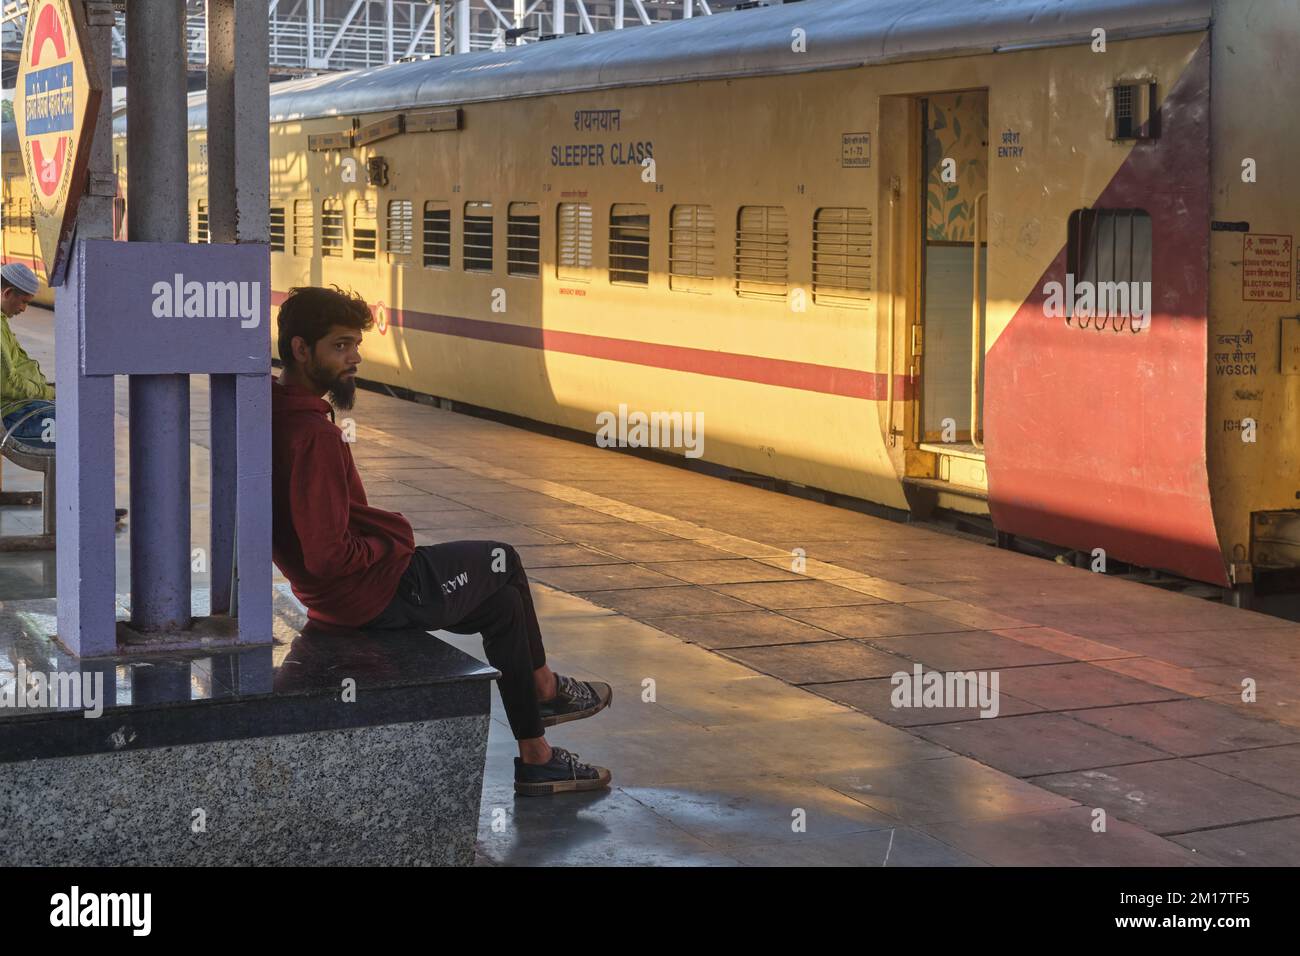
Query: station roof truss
313, 36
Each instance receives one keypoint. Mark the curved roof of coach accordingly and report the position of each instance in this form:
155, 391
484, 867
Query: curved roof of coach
841, 33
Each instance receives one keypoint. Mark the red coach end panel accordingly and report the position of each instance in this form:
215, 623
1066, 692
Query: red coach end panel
1096, 438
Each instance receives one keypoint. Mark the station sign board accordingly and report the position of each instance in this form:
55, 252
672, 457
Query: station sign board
55, 104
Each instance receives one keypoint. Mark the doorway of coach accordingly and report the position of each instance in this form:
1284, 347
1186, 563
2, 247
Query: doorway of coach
938, 193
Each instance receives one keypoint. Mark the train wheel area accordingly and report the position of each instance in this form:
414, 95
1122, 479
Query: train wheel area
929, 699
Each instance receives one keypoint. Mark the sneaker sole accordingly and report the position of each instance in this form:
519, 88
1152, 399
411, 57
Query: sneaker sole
578, 715
549, 787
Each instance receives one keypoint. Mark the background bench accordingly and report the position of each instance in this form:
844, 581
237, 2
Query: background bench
33, 459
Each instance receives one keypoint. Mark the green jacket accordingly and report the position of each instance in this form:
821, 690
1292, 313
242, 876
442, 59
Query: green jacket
20, 377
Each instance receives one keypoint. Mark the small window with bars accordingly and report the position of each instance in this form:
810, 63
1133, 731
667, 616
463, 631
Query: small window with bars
331, 228
18, 215
400, 234
1135, 111
1111, 250
437, 234
365, 229
574, 240
304, 228
201, 220
691, 249
277, 228
762, 252
478, 237
842, 257
629, 243
523, 239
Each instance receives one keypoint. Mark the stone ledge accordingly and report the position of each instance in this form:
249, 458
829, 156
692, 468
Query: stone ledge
258, 738
402, 794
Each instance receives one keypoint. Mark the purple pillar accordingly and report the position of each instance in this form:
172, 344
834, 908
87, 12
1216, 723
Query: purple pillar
160, 502
158, 187
253, 452
87, 573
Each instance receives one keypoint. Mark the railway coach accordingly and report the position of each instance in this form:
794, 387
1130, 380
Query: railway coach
1032, 260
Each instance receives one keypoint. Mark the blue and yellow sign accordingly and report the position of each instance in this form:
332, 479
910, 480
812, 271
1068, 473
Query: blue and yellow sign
54, 102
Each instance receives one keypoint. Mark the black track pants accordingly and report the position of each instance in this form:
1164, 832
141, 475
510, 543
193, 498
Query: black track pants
477, 587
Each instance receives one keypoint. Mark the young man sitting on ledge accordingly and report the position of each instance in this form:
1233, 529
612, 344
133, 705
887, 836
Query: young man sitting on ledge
357, 566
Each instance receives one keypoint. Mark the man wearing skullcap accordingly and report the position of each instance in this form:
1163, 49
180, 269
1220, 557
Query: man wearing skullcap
23, 388
25, 395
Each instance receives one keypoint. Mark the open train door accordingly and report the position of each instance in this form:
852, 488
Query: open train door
945, 466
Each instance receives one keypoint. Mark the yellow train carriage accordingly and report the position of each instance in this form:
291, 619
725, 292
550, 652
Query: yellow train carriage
840, 232
16, 223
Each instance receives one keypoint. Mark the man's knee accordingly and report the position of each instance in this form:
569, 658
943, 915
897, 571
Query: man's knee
499, 614
504, 558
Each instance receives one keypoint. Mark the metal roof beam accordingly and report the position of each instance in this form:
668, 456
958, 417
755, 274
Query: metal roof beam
418, 34
497, 13
343, 28
583, 17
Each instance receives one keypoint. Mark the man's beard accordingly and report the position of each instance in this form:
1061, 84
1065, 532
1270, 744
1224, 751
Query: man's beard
341, 392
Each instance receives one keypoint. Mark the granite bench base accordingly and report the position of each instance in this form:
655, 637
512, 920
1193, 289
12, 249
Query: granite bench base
403, 794
248, 756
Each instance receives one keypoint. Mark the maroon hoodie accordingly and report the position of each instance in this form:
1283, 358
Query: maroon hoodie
342, 557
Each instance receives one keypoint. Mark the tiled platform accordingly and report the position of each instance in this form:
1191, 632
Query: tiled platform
772, 687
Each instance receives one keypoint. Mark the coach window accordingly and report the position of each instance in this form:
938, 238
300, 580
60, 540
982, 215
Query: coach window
437, 234
629, 243
692, 262
841, 266
1111, 246
277, 228
573, 235
201, 218
365, 229
331, 228
304, 229
22, 220
762, 252
478, 237
523, 239
399, 236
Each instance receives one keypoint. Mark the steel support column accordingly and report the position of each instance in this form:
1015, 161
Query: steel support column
238, 209
158, 187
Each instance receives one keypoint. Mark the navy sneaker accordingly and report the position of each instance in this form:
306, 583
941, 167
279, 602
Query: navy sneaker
574, 699
564, 773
